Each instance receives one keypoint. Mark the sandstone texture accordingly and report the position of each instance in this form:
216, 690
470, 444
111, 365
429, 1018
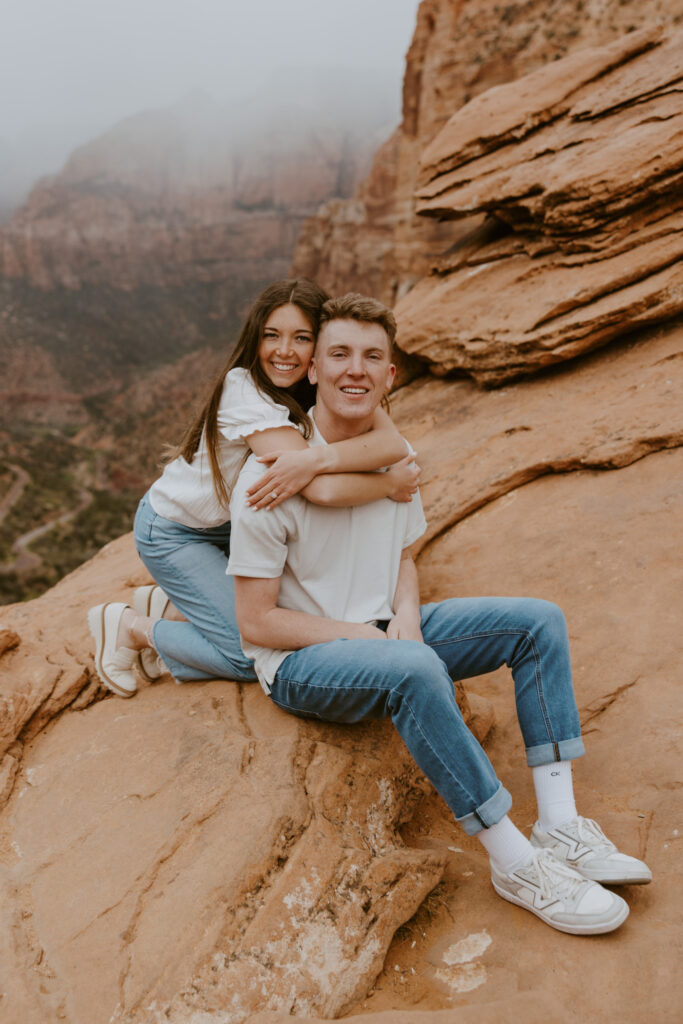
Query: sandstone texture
198, 851
196, 855
460, 49
579, 164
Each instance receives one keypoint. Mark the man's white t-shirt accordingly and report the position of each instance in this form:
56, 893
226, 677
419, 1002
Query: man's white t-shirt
184, 492
339, 563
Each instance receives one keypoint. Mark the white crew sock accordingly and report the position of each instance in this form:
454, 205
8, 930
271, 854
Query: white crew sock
554, 793
506, 846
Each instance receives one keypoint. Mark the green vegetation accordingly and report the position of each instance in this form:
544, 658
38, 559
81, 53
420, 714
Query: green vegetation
106, 517
49, 461
61, 475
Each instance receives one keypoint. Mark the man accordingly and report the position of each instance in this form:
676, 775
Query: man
328, 606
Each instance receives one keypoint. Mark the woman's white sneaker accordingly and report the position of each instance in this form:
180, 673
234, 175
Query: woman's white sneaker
583, 845
150, 601
561, 897
113, 664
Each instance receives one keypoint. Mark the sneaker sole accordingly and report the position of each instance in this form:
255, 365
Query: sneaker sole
606, 880
620, 915
96, 627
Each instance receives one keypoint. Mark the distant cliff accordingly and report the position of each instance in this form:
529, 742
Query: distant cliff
155, 235
123, 281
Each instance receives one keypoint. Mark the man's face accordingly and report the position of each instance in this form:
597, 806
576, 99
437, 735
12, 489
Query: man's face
352, 368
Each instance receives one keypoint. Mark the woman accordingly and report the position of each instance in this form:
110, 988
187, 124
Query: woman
181, 529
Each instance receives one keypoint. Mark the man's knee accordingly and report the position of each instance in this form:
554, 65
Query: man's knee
547, 615
420, 672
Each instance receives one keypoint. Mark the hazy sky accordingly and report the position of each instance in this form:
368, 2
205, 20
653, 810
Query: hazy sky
71, 68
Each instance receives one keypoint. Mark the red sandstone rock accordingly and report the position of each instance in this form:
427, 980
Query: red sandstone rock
582, 159
459, 50
261, 853
8, 640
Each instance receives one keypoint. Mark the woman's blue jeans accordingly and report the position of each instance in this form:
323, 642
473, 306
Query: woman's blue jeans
357, 680
189, 565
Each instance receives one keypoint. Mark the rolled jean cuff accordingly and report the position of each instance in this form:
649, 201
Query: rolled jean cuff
547, 753
488, 813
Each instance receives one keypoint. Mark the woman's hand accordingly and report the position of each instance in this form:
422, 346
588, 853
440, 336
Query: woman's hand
403, 479
289, 472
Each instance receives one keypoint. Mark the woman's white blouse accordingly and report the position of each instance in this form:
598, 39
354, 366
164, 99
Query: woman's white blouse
184, 492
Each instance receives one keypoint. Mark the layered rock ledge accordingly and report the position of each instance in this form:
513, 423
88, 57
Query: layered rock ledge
579, 166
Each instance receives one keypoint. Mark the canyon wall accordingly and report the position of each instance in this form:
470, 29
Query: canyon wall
154, 237
460, 49
123, 283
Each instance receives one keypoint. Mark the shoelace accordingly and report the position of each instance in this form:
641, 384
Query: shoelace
554, 876
590, 833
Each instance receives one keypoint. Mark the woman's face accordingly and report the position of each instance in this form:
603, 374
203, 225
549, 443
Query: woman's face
286, 347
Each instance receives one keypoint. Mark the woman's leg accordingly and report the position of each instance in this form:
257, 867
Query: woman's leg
190, 567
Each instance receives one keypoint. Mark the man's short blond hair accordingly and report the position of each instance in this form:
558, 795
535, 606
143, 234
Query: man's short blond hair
354, 306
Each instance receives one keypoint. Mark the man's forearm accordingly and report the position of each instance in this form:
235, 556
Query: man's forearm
405, 624
285, 629
407, 593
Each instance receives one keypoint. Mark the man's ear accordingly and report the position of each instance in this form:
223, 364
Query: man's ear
391, 373
312, 372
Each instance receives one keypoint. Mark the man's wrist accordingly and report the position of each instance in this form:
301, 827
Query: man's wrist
407, 610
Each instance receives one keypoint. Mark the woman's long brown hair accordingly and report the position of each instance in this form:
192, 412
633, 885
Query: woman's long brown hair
309, 298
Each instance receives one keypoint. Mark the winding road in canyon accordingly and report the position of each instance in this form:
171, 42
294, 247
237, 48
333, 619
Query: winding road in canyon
27, 560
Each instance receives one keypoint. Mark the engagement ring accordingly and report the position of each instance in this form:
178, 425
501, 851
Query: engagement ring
273, 495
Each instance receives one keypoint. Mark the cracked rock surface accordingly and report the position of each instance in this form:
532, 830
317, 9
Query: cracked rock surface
194, 849
595, 527
195, 855
579, 166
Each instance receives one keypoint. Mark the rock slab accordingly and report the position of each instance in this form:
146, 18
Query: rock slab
579, 166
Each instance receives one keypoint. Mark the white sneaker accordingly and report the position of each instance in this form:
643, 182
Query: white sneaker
150, 601
113, 664
583, 845
561, 897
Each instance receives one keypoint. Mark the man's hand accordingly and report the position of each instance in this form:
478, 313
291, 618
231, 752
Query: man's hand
405, 625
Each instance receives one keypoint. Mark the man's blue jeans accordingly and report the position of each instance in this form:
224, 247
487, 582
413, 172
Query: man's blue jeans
190, 566
357, 680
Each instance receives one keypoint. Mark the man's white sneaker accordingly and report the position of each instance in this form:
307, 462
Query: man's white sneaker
561, 897
583, 845
113, 664
150, 601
